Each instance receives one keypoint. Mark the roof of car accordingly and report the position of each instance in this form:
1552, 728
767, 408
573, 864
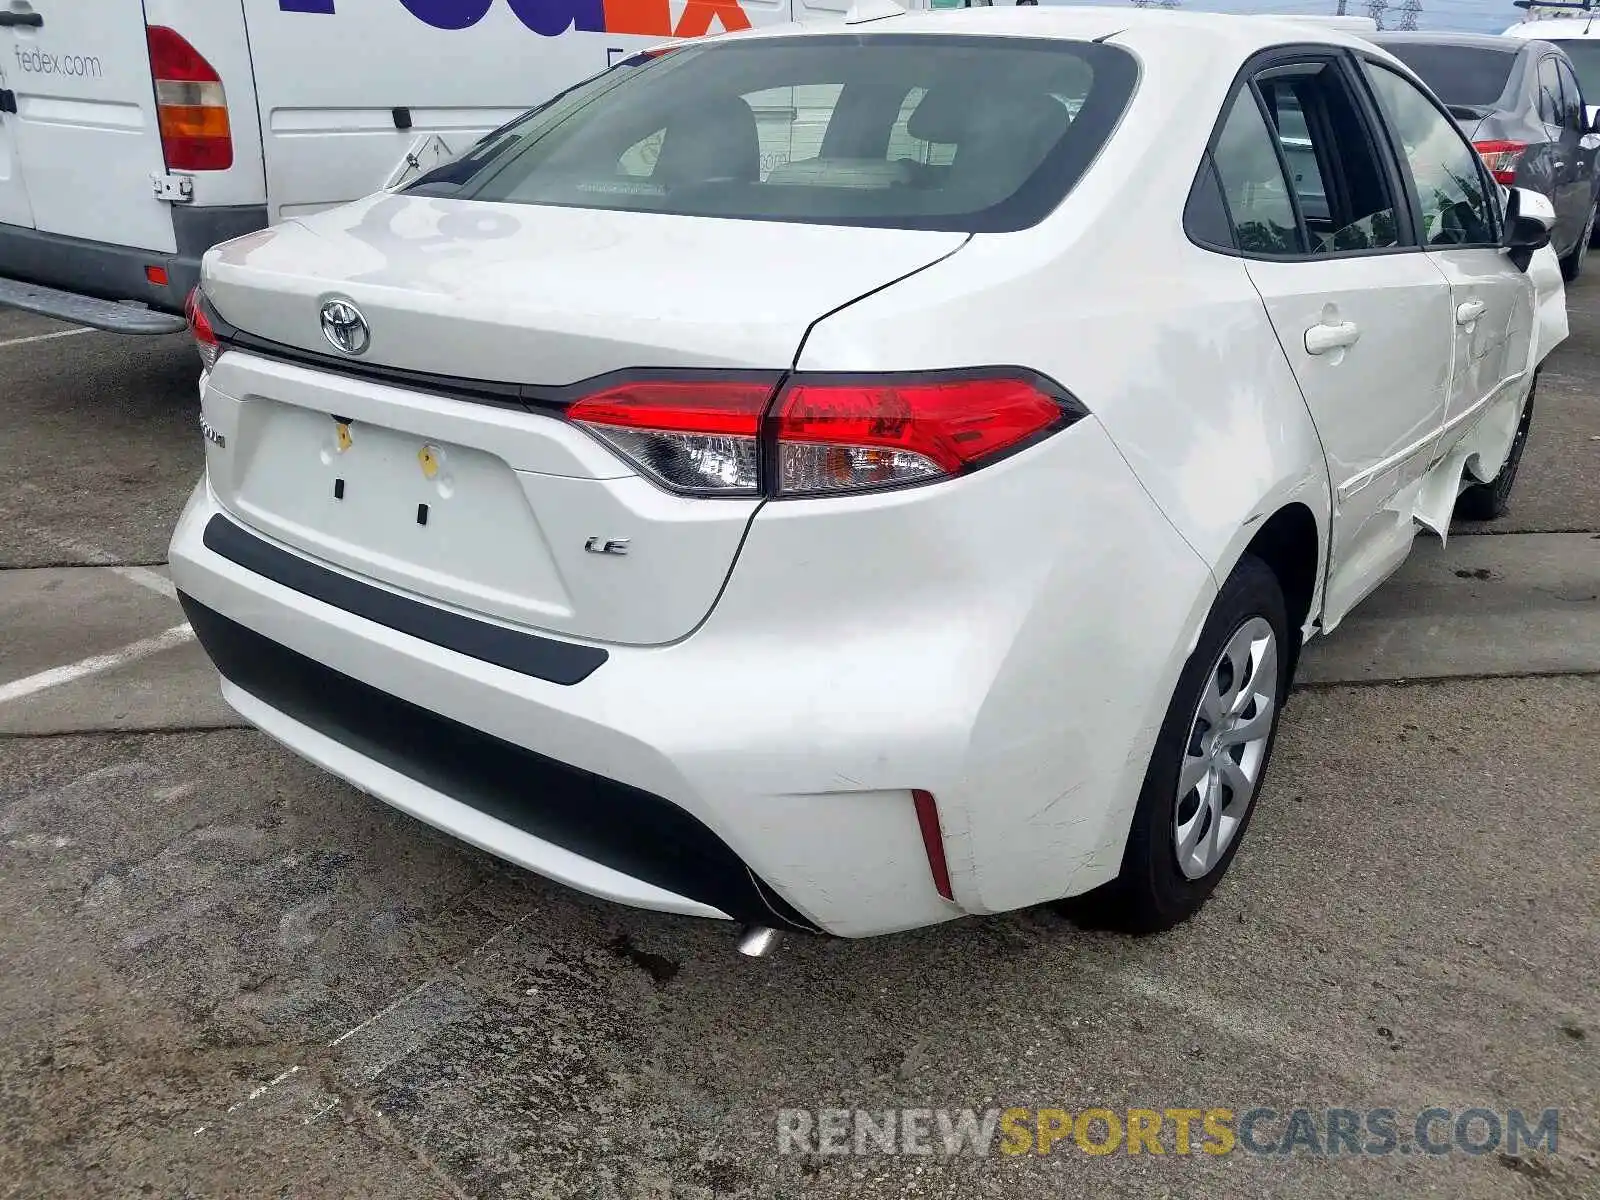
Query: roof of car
1487, 41
1555, 29
1200, 31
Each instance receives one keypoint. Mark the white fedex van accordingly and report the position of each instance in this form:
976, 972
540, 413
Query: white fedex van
136, 134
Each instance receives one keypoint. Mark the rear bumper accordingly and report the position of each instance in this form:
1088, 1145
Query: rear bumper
100, 278
1008, 641
600, 835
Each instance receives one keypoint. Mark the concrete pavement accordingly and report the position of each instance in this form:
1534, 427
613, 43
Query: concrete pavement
226, 973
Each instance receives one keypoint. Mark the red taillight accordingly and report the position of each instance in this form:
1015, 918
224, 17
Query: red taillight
836, 437
191, 106
825, 434
933, 842
699, 437
205, 337
1501, 158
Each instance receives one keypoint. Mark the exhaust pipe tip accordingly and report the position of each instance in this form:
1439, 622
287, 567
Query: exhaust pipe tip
757, 941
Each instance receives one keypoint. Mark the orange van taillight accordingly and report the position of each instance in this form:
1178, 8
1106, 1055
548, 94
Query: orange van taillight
190, 104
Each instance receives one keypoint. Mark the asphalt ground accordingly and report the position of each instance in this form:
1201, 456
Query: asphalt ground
224, 973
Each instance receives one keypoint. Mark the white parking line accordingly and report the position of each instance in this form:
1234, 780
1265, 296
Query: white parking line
27, 686
43, 337
143, 576
146, 578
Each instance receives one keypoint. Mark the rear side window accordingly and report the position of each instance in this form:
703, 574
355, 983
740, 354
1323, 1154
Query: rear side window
912, 131
1549, 92
1253, 184
1572, 110
1467, 76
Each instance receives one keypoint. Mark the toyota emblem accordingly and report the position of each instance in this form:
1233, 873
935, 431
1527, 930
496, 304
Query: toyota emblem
345, 327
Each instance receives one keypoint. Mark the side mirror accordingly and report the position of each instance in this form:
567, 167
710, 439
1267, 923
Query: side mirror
1529, 219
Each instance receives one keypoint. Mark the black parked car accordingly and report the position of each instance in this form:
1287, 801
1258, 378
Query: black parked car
1521, 104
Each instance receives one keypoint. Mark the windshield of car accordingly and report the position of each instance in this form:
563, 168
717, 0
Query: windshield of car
1585, 56
909, 131
1473, 76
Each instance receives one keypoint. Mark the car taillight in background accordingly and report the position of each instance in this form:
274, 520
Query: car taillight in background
822, 434
1501, 158
191, 106
205, 337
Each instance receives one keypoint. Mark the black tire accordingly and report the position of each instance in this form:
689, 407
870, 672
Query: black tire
1572, 264
1152, 893
1487, 501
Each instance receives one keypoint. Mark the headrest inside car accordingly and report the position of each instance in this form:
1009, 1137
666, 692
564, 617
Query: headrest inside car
942, 116
718, 140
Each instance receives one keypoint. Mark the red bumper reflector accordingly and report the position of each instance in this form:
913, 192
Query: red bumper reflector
933, 842
156, 275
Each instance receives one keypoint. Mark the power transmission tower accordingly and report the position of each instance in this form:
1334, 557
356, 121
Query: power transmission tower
1376, 9
1409, 12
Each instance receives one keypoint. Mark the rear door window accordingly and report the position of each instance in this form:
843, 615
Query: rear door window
1300, 171
1343, 191
909, 131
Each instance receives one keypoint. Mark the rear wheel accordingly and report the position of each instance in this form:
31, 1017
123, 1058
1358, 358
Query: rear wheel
1208, 764
1572, 264
1486, 501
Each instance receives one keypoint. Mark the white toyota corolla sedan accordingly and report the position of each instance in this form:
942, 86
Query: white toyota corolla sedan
846, 478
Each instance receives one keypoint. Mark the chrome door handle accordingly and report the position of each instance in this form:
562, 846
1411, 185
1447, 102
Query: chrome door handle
1469, 312
1322, 338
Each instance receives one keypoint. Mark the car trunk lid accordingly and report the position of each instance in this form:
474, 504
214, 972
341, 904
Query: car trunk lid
469, 486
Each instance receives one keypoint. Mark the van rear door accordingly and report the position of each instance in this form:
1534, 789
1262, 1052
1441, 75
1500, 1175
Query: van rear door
84, 139
346, 87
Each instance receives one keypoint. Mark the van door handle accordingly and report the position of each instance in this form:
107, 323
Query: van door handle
1322, 338
1469, 312
28, 19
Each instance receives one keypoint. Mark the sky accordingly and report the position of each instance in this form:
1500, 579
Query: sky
1472, 16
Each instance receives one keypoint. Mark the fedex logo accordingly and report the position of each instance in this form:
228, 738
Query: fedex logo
549, 18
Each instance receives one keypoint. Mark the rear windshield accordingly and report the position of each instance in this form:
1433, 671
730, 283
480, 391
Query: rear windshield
1585, 56
1474, 76
910, 131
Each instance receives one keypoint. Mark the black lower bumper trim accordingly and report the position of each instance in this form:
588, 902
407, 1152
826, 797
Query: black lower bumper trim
525, 653
608, 822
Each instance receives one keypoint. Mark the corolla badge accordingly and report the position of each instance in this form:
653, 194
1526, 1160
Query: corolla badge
345, 327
